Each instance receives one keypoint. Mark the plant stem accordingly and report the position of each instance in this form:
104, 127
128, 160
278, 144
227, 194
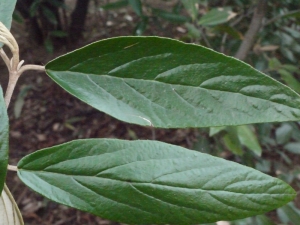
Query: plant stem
13, 79
31, 67
254, 27
5, 58
12, 168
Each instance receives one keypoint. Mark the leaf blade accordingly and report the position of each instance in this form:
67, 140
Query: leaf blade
3, 140
129, 180
10, 213
171, 84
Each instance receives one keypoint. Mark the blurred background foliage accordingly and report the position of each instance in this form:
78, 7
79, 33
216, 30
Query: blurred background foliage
265, 34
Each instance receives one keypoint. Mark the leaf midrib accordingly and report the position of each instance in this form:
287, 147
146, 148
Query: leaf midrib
176, 85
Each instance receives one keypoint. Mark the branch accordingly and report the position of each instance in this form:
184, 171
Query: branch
5, 58
31, 67
254, 27
12, 168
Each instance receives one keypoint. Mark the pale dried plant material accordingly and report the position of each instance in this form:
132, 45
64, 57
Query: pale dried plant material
7, 38
14, 65
9, 212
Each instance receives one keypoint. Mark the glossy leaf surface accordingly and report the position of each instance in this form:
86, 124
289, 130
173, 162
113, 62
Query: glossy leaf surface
6, 10
9, 211
3, 140
166, 83
150, 182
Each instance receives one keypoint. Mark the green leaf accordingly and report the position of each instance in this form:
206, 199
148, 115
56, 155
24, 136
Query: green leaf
170, 16
274, 64
217, 16
248, 138
10, 213
3, 140
136, 6
150, 182
263, 220
193, 31
284, 133
289, 79
141, 26
293, 147
215, 130
229, 30
49, 14
191, 7
115, 5
167, 83
19, 103
289, 213
232, 142
58, 33
6, 11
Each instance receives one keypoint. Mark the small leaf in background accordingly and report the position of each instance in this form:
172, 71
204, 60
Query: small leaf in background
49, 45
215, 130
283, 133
58, 33
136, 6
230, 31
4, 130
232, 142
17, 17
49, 14
9, 211
257, 220
171, 84
150, 182
284, 157
193, 31
33, 9
19, 103
141, 26
115, 5
170, 16
289, 79
289, 214
274, 64
217, 16
248, 138
263, 220
293, 147
192, 7
290, 68
263, 166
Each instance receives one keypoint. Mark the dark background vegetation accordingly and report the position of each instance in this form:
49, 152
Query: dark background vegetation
265, 34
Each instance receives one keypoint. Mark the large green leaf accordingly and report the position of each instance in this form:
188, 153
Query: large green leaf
6, 10
166, 83
150, 182
3, 140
